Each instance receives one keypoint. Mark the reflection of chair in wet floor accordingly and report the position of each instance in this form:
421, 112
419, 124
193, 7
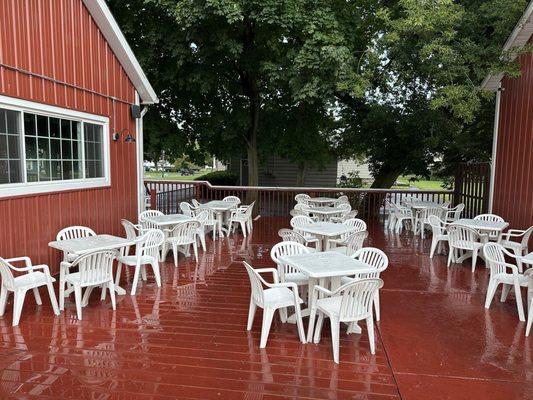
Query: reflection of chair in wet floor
186, 297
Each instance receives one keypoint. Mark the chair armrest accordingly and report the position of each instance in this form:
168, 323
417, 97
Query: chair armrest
274, 272
27, 260
322, 289
513, 233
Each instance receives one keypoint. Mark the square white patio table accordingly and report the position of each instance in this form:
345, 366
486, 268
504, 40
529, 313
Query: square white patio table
325, 231
219, 207
321, 201
168, 221
324, 213
319, 267
80, 246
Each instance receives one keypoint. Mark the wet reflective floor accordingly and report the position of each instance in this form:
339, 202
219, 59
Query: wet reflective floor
188, 339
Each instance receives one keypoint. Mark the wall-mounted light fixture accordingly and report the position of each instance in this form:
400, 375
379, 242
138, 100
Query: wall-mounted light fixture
129, 137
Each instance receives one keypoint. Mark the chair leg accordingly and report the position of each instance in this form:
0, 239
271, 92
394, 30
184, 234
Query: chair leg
335, 328
119, 271
251, 315
195, 248
62, 285
450, 256
37, 296
518, 253
135, 280
157, 274
175, 253
283, 314
19, 296
52, 295
299, 323
370, 328
318, 327
77, 295
493, 285
519, 305
434, 243
474, 259
505, 292
311, 327
202, 240
268, 314
111, 287
376, 306
243, 227
529, 318
3, 300
143, 273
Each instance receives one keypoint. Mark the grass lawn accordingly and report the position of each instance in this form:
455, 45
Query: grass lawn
422, 184
173, 175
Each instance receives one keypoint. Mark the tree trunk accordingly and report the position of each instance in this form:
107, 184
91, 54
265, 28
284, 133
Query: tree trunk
371, 202
302, 172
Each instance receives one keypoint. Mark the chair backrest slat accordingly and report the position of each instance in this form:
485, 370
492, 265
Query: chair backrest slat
358, 298
286, 249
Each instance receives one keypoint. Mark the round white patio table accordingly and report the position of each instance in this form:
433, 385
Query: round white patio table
220, 207
321, 201
324, 231
80, 246
324, 213
321, 268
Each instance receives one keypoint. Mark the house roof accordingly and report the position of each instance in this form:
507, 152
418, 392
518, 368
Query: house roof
519, 37
116, 40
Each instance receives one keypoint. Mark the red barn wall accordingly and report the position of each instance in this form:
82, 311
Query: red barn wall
513, 182
59, 40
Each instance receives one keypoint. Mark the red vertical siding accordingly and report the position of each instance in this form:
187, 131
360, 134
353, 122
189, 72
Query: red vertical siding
60, 40
513, 182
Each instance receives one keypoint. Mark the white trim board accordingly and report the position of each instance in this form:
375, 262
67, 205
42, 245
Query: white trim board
28, 188
114, 36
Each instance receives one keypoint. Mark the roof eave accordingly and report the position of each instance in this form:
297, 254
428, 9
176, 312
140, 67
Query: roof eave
116, 40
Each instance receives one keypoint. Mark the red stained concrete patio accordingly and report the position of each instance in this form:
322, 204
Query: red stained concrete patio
188, 340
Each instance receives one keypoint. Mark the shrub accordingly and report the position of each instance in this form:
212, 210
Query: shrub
223, 178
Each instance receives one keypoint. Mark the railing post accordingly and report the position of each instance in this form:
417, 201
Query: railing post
153, 198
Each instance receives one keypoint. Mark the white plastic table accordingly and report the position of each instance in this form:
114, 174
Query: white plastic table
80, 246
220, 207
483, 226
418, 207
325, 231
321, 201
319, 267
168, 220
324, 213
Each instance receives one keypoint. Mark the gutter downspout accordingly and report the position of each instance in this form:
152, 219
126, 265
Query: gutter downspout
494, 147
140, 158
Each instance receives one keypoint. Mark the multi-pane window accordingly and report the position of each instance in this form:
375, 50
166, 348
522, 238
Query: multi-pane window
10, 151
46, 148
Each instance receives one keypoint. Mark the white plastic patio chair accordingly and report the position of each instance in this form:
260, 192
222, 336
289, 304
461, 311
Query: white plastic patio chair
73, 232
353, 242
519, 248
423, 220
286, 272
232, 199
453, 214
342, 199
494, 236
438, 228
289, 235
35, 276
402, 215
94, 269
302, 198
145, 224
465, 239
195, 203
182, 235
528, 274
302, 220
356, 224
242, 216
504, 273
350, 303
203, 218
271, 297
378, 260
187, 209
146, 253
390, 208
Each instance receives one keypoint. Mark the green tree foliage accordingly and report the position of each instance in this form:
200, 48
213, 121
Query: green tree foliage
394, 81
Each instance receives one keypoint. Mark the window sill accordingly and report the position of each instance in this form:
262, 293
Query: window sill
38, 188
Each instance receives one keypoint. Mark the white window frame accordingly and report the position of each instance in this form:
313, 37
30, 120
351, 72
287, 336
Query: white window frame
27, 188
